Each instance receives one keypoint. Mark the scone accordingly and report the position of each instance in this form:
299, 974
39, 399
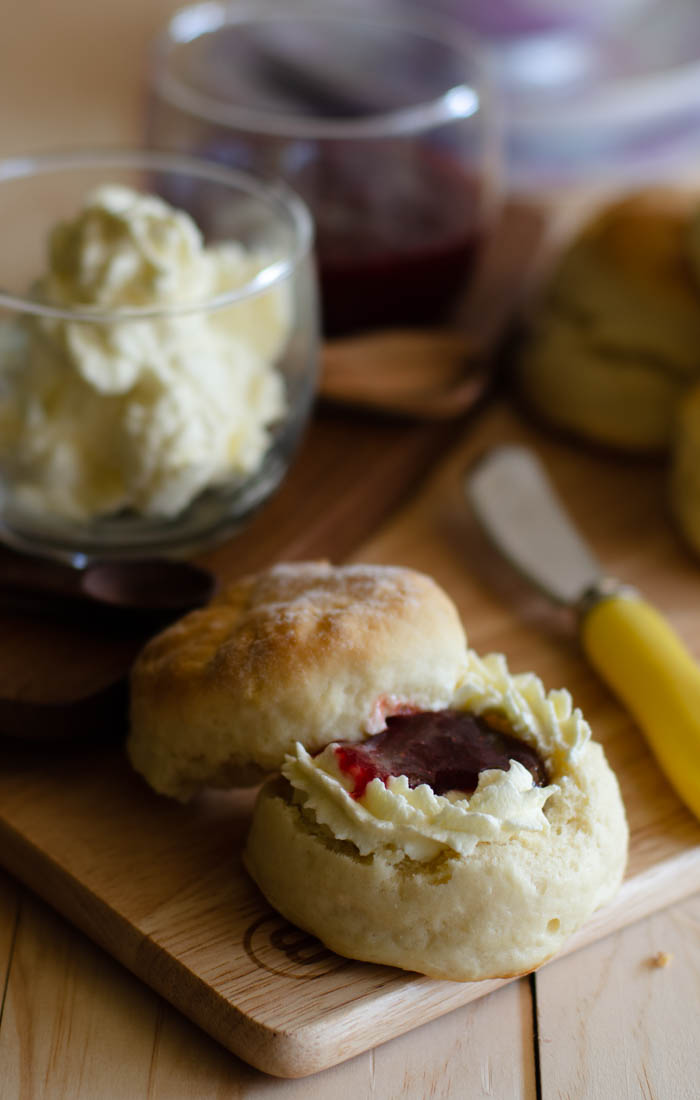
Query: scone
616, 338
465, 846
684, 486
303, 652
692, 244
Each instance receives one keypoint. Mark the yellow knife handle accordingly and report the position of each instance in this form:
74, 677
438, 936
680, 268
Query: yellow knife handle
647, 665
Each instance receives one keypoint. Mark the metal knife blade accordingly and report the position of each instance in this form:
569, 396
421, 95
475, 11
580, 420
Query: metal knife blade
630, 644
516, 506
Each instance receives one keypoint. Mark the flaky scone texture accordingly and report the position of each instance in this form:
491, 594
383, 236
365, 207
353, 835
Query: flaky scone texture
485, 886
303, 652
615, 338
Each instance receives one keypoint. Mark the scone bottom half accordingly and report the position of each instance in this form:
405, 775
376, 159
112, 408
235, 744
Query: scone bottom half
466, 844
304, 652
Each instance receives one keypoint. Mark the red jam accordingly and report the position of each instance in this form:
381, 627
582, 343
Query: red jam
447, 749
401, 253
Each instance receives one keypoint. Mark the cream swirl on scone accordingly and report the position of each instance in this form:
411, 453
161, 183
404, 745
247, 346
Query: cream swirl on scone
459, 884
416, 822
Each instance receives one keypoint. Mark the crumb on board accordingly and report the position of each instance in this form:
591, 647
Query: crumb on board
661, 959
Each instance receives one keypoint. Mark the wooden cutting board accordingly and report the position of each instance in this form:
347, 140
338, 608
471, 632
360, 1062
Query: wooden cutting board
161, 886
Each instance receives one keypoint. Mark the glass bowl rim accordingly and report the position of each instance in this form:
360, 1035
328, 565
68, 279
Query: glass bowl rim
275, 194
460, 101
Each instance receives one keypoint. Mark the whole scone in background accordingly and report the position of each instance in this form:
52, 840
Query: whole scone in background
302, 652
616, 338
684, 488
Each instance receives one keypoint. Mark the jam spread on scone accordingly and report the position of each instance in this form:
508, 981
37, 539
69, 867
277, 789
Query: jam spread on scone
446, 749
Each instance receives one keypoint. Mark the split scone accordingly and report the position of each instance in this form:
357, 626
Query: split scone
465, 844
615, 339
302, 652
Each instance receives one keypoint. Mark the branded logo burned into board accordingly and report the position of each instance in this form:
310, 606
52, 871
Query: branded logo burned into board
275, 945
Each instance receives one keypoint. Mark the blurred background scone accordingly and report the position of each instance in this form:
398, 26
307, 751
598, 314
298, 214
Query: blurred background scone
684, 487
301, 652
616, 337
406, 851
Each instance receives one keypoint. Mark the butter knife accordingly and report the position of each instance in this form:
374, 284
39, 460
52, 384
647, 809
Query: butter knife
632, 647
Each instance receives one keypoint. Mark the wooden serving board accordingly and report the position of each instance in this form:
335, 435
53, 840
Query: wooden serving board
161, 886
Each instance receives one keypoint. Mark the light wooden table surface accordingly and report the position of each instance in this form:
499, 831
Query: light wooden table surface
606, 1022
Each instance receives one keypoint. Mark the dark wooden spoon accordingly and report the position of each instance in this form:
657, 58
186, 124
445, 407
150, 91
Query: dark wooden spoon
145, 587
121, 603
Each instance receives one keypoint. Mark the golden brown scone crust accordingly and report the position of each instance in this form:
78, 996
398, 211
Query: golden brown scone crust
301, 652
616, 337
642, 238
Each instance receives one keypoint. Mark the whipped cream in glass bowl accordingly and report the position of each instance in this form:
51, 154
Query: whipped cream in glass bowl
156, 368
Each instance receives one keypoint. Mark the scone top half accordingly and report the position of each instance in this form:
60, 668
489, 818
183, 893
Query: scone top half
302, 653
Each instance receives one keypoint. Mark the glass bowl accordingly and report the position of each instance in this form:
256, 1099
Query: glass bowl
155, 377
381, 118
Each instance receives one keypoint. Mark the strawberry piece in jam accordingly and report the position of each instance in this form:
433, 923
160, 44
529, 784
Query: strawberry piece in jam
447, 749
